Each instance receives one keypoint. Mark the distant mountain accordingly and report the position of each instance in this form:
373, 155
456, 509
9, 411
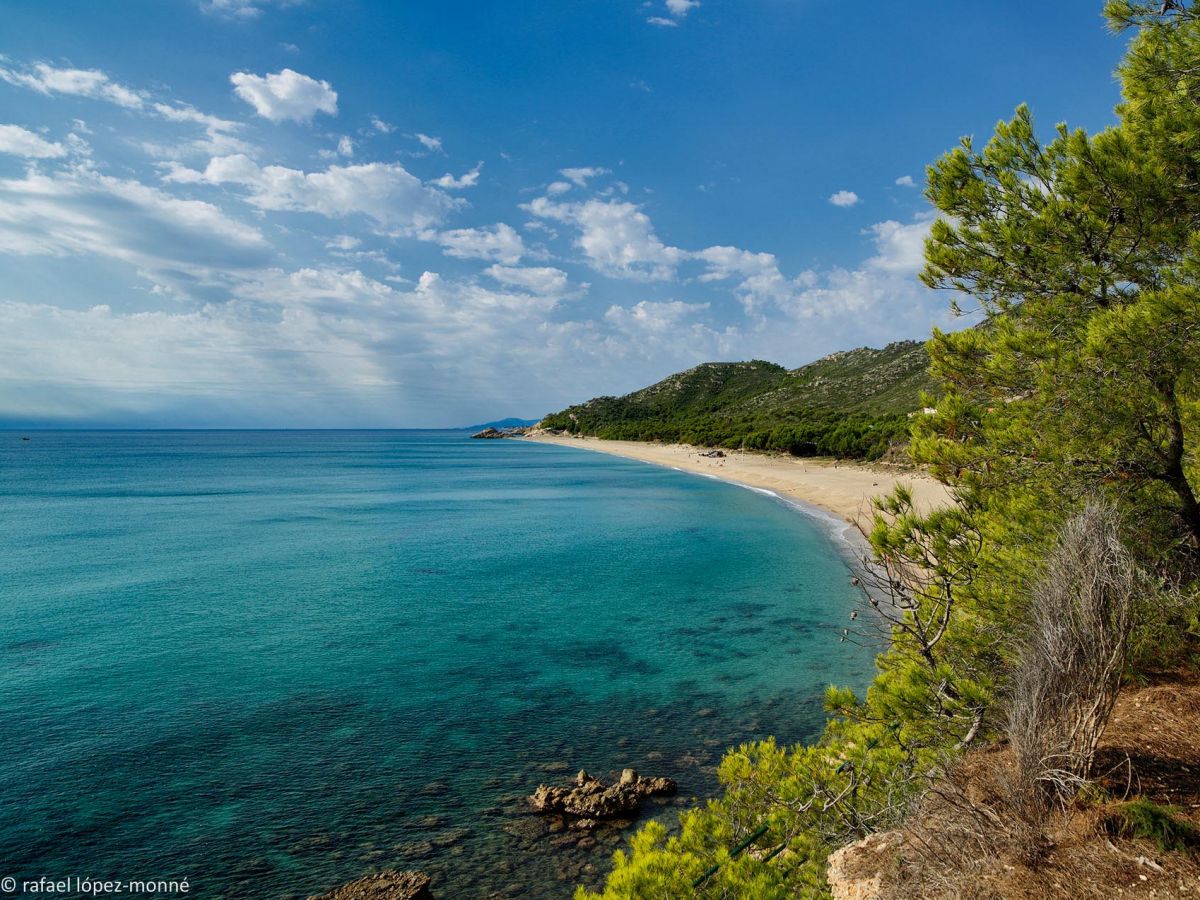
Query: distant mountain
852, 403
501, 423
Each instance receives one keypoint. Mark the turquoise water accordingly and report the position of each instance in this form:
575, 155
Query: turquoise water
271, 662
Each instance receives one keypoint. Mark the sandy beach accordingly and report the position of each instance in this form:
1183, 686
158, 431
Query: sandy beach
844, 489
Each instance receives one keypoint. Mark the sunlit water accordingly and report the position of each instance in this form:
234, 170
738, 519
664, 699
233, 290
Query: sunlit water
272, 662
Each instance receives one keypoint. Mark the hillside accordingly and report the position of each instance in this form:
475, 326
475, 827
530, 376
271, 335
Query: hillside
853, 403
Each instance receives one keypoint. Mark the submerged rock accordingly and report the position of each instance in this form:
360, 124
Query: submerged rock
386, 885
589, 799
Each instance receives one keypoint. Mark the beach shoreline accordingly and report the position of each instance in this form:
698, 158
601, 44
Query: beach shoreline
822, 488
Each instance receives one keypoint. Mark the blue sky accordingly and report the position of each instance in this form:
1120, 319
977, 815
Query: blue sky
308, 213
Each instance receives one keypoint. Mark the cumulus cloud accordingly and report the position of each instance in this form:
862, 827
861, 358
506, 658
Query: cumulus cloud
18, 141
900, 247
617, 238
500, 243
653, 316
844, 198
384, 192
663, 22
92, 83
286, 95
466, 180
381, 126
906, 181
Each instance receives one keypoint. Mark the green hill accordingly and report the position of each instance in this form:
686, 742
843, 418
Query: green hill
854, 403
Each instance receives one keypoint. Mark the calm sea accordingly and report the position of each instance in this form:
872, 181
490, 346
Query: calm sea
271, 662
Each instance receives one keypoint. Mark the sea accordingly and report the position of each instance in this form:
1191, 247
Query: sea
268, 663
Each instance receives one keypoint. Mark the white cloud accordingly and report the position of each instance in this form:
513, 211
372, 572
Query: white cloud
900, 248
761, 286
430, 143
653, 316
186, 244
92, 83
885, 284
557, 187
677, 10
500, 243
537, 280
617, 238
18, 141
385, 192
381, 126
315, 346
241, 10
468, 179
681, 8
581, 174
219, 137
759, 279
345, 146
96, 85
343, 242
844, 198
286, 95
906, 181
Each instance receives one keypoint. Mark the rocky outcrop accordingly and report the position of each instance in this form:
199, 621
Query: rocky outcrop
856, 871
495, 433
386, 885
590, 800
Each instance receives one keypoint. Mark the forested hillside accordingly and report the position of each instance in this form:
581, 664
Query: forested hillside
850, 404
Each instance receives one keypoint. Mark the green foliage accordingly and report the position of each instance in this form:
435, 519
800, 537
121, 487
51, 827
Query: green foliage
852, 404
1144, 819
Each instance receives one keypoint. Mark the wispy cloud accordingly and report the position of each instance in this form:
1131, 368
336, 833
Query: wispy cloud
466, 180
93, 83
18, 141
676, 10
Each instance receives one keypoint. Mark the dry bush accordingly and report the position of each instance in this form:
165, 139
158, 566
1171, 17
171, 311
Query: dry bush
1072, 657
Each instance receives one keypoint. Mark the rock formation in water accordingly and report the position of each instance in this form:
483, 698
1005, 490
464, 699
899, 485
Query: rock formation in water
386, 885
589, 799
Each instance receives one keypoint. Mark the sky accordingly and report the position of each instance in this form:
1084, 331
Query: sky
428, 213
